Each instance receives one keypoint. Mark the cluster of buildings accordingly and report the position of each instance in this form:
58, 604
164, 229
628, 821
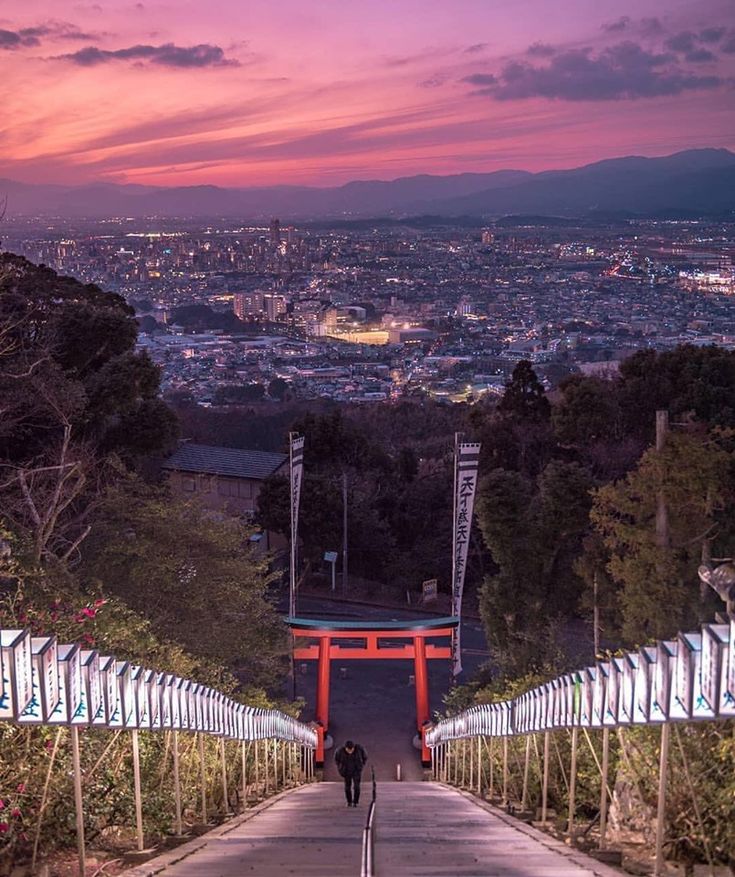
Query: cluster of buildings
359, 313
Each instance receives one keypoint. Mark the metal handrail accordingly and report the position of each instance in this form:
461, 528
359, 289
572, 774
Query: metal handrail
368, 835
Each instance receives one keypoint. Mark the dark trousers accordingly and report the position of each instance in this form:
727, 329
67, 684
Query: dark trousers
352, 789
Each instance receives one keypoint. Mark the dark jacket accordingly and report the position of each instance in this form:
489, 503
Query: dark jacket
350, 764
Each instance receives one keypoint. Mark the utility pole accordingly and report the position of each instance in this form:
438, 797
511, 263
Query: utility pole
596, 615
344, 532
662, 512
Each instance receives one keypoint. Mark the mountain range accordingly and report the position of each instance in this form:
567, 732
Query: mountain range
691, 183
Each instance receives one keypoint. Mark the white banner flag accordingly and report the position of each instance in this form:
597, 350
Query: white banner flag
297, 468
467, 457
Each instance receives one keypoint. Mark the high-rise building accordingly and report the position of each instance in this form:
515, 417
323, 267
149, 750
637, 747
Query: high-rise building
275, 232
248, 304
274, 306
487, 236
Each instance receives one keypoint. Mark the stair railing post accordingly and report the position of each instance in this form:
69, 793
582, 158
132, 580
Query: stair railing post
78, 802
244, 756
545, 783
479, 766
660, 865
603, 786
203, 777
491, 759
225, 791
526, 763
178, 827
137, 789
573, 784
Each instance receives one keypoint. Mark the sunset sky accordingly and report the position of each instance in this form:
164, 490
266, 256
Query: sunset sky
262, 92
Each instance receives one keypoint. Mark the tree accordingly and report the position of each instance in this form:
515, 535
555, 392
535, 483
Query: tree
694, 477
209, 591
524, 398
533, 531
278, 388
694, 382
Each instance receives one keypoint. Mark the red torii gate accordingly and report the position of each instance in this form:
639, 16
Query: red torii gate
372, 634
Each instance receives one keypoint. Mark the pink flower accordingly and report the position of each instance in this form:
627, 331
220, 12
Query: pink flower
21, 787
99, 603
15, 813
3, 827
2, 804
90, 613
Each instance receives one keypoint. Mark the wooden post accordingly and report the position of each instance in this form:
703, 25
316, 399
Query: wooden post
491, 759
526, 763
471, 747
545, 783
225, 793
284, 755
138, 793
572, 784
244, 774
663, 766
178, 828
464, 762
78, 803
256, 767
275, 764
203, 773
505, 770
479, 766
603, 786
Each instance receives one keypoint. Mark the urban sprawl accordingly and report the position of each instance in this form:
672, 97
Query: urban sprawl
374, 312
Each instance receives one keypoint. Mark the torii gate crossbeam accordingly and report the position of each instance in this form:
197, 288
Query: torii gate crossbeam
377, 641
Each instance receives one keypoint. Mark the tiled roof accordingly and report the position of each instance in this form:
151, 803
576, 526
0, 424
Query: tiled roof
224, 461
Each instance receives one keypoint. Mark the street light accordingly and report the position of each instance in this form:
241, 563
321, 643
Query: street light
331, 557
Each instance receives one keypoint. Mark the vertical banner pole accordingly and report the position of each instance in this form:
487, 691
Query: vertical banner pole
464, 762
603, 786
466, 462
284, 753
505, 770
455, 631
177, 788
225, 793
573, 784
266, 758
138, 793
344, 533
660, 865
78, 803
524, 795
275, 764
257, 769
203, 773
545, 784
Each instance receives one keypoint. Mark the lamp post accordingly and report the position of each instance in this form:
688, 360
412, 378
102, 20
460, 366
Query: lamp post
331, 557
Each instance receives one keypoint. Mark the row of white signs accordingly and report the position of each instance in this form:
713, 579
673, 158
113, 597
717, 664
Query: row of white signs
689, 678
45, 683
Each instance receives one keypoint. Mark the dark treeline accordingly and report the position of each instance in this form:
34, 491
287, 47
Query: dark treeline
567, 496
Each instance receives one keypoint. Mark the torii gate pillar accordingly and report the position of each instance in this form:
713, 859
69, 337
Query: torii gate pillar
379, 643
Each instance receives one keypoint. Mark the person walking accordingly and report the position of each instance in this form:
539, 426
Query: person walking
350, 760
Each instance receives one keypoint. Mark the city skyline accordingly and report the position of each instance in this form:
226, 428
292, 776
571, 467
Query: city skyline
264, 94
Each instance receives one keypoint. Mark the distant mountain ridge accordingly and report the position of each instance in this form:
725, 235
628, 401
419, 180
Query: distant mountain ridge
698, 181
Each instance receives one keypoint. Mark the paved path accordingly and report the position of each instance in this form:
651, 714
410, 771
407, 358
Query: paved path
375, 703
428, 830
422, 830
